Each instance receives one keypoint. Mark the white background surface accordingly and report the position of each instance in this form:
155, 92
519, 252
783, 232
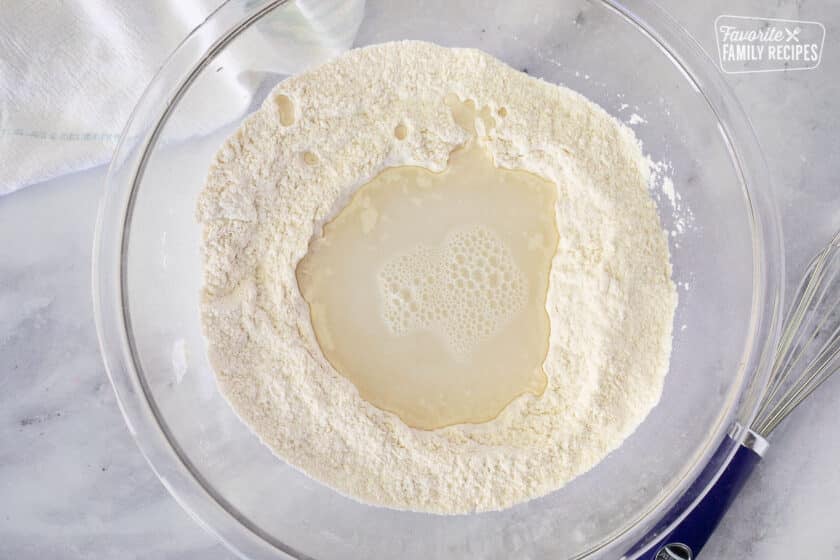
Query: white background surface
73, 484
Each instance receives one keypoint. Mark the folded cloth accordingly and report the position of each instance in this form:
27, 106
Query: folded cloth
70, 71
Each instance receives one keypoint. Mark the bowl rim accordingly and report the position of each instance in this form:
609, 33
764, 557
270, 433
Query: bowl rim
140, 135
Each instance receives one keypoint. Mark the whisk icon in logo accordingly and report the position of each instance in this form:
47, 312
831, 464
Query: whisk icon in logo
753, 44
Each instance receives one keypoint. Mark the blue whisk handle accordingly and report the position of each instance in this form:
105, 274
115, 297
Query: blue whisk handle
686, 540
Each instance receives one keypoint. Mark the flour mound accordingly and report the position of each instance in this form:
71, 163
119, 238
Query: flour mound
610, 301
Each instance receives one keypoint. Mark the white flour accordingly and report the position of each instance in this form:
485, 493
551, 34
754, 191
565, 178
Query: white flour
610, 300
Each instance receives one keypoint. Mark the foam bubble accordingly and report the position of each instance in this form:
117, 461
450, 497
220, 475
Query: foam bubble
465, 290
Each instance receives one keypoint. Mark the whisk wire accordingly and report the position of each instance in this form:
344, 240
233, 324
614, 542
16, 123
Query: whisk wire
795, 316
798, 368
793, 398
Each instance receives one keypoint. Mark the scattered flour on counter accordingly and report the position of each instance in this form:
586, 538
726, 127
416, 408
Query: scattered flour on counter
661, 184
610, 301
668, 189
636, 118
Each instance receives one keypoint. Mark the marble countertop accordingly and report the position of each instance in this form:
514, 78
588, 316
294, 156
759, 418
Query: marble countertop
73, 484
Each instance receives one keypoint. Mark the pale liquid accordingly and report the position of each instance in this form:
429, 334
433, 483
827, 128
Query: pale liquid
428, 290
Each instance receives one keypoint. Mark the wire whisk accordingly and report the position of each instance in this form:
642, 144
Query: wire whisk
808, 354
809, 349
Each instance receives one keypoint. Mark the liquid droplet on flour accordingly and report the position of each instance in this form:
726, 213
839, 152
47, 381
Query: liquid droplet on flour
285, 109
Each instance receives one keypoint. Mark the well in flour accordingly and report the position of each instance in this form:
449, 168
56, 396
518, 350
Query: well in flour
428, 290
609, 301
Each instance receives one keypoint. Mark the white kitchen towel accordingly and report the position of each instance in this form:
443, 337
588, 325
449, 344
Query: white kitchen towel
72, 70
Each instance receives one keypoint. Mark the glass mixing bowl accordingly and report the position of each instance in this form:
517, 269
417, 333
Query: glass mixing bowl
629, 58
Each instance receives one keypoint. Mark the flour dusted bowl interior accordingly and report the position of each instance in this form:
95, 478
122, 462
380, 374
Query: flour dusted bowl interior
710, 195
